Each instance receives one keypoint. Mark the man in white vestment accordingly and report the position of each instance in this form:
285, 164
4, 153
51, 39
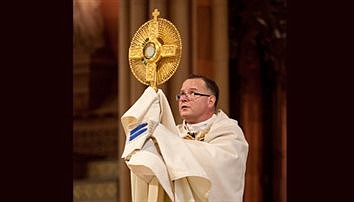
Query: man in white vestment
201, 159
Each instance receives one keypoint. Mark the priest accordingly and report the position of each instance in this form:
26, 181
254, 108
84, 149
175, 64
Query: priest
201, 159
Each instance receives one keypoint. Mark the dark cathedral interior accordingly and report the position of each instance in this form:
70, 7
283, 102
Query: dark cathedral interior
256, 85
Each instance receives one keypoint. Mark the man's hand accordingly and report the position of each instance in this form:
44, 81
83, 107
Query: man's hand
153, 113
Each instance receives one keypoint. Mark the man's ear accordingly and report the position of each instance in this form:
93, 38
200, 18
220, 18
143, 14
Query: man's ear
212, 100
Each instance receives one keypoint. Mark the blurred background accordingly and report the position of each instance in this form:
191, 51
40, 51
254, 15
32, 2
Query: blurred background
241, 44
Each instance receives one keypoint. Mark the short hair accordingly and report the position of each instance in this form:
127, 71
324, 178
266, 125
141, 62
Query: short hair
210, 84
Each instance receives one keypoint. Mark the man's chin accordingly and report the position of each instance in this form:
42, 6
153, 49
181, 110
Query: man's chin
184, 114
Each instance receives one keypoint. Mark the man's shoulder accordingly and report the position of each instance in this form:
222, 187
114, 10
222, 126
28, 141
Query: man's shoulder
222, 117
224, 126
223, 122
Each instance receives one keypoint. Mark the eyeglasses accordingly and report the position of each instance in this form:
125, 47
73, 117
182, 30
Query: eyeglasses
190, 95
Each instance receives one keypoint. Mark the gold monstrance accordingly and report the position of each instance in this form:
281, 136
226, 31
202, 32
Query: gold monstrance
155, 51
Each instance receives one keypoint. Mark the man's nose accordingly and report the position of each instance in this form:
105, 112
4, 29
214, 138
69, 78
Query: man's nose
183, 98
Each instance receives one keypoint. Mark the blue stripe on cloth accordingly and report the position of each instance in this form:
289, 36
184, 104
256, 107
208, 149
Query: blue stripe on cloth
138, 128
134, 135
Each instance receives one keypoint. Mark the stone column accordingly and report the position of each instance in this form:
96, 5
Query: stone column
220, 50
251, 110
138, 16
181, 20
124, 190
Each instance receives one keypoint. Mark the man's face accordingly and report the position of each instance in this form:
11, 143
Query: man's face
198, 108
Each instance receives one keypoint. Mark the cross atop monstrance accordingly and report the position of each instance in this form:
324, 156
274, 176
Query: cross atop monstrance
155, 51
155, 13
